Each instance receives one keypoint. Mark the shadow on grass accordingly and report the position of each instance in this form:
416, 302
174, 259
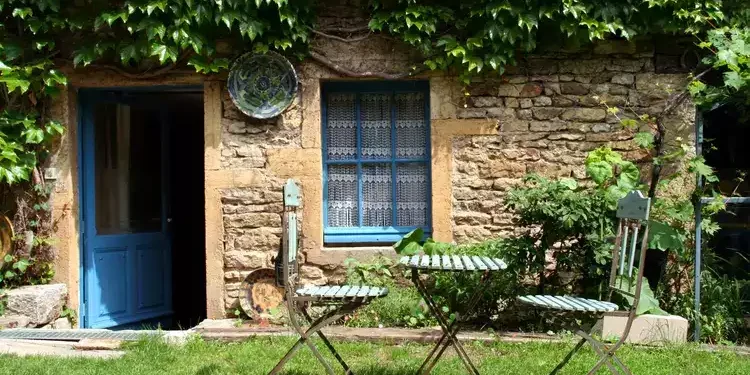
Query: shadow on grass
371, 370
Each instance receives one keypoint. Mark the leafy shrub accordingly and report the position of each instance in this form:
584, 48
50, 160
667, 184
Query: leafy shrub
403, 307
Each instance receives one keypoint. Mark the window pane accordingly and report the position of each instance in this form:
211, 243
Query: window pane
341, 127
731, 244
376, 126
377, 191
411, 194
411, 128
724, 133
127, 166
342, 196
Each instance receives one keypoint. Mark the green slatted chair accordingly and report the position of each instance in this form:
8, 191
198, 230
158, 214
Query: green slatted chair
340, 299
632, 212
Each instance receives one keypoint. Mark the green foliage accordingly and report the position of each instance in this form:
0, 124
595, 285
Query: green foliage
486, 35
70, 314
402, 308
2, 302
647, 303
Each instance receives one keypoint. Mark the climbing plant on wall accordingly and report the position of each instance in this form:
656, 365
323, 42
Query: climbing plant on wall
148, 38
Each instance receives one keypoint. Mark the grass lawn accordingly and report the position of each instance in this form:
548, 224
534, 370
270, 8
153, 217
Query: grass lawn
259, 355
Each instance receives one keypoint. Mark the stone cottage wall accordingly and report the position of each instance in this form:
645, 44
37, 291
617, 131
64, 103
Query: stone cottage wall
551, 112
542, 116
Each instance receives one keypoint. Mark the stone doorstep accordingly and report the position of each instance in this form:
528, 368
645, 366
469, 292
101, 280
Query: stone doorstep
647, 329
384, 335
97, 344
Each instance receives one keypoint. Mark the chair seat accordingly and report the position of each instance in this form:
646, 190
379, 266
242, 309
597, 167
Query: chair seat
567, 303
453, 263
343, 292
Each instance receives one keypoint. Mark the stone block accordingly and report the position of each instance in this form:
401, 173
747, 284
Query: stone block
542, 101
512, 103
528, 90
524, 114
585, 114
514, 126
40, 303
253, 220
647, 329
562, 101
547, 126
546, 113
623, 79
62, 323
574, 88
471, 113
486, 101
13, 321
245, 259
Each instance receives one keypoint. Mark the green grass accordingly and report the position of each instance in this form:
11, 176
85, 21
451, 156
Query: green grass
258, 356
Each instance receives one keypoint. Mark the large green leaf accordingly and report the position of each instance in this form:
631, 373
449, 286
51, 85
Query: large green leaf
663, 237
409, 244
600, 171
647, 304
629, 177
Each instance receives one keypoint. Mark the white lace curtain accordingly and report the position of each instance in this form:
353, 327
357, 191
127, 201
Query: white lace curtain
372, 168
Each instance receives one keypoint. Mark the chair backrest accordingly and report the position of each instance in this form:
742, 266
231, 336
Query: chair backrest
289, 239
632, 212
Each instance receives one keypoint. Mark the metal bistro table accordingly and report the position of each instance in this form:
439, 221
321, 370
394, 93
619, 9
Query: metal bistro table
450, 263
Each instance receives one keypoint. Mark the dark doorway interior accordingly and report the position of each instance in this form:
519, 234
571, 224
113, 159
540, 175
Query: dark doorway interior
188, 209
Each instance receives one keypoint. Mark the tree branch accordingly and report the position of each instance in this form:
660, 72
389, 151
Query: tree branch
367, 74
146, 74
334, 37
345, 30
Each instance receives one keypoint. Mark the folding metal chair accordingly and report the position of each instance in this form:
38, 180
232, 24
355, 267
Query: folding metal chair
341, 300
633, 211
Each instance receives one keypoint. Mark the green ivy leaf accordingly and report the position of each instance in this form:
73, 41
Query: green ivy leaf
164, 52
734, 80
22, 13
14, 81
644, 140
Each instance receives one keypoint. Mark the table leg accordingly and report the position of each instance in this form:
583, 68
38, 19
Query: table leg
449, 329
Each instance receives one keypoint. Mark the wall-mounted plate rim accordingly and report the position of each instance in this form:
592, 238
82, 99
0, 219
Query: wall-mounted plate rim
267, 110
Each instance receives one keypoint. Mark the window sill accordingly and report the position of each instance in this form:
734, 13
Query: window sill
331, 255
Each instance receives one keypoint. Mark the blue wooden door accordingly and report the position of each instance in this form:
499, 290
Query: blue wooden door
125, 222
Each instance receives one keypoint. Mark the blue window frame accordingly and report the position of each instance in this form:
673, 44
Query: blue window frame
376, 160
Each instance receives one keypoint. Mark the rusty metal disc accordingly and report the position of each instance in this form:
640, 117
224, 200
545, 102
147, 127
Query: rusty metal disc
6, 238
261, 299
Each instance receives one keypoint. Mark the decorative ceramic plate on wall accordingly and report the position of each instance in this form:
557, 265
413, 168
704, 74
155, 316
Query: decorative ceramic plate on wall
261, 299
262, 85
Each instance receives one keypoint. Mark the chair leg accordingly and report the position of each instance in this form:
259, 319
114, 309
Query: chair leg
315, 327
286, 357
330, 346
605, 356
568, 357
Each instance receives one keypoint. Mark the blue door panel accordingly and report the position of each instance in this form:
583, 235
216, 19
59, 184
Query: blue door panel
111, 276
127, 276
149, 268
